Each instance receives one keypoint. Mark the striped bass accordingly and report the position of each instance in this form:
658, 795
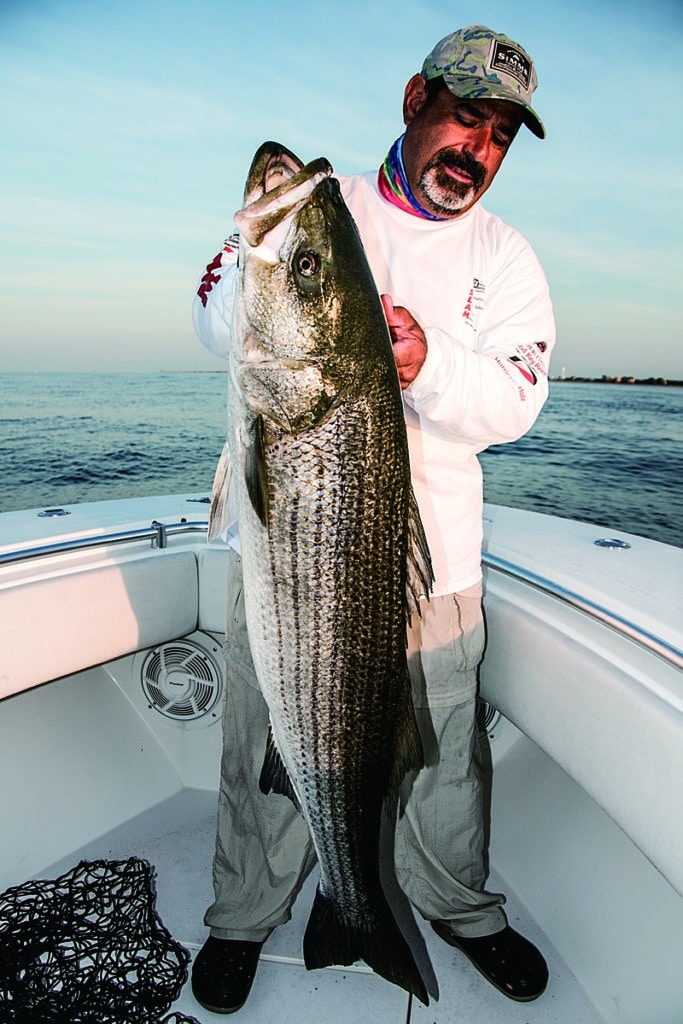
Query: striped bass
333, 551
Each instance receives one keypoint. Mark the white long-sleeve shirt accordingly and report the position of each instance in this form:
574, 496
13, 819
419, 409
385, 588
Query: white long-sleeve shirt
479, 293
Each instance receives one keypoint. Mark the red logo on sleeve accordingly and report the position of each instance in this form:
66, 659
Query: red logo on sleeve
209, 279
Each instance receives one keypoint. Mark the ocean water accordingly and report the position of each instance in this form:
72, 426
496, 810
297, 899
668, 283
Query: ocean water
605, 453
608, 454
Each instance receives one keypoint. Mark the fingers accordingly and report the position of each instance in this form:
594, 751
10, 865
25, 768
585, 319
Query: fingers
388, 304
409, 342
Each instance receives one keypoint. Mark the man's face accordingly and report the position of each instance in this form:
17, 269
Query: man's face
453, 147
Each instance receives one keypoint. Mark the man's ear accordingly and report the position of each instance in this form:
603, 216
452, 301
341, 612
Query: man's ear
414, 98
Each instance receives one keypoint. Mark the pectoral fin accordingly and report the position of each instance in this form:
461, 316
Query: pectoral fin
255, 469
218, 516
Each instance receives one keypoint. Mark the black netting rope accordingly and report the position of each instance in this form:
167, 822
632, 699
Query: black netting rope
89, 948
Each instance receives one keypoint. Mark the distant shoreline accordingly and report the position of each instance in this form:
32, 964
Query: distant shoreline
651, 381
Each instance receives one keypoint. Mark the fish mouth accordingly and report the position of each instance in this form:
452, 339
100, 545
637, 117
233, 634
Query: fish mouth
267, 210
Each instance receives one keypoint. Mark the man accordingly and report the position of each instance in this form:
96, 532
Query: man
471, 320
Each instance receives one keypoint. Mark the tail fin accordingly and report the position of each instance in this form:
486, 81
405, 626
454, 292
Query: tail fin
330, 939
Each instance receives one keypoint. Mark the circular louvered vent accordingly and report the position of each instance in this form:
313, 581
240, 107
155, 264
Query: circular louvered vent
181, 680
488, 718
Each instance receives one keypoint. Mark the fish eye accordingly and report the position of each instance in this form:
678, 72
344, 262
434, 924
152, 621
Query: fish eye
308, 263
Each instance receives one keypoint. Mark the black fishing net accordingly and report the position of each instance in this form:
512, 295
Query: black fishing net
89, 948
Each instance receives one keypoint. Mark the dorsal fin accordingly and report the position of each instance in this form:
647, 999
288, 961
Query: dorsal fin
420, 575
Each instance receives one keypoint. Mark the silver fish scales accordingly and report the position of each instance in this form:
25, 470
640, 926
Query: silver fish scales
334, 555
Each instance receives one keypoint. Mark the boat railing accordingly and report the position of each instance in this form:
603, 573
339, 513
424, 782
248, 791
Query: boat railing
158, 533
618, 623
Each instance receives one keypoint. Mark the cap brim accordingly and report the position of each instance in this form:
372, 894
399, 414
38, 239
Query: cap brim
533, 122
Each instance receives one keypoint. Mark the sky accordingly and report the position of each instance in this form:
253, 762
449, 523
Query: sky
128, 128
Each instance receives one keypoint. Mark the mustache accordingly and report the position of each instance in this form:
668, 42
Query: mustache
456, 161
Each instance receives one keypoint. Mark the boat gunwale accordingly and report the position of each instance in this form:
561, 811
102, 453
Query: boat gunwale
158, 533
619, 624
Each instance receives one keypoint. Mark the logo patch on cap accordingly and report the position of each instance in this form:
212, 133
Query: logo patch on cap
511, 61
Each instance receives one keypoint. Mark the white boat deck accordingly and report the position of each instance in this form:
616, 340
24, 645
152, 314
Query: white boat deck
177, 838
586, 805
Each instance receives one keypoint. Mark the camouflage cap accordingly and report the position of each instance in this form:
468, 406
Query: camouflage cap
478, 64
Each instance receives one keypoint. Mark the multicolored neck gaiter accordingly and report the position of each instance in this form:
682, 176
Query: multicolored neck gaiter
392, 182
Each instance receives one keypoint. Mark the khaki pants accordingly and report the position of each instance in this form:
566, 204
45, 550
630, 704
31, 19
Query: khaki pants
263, 848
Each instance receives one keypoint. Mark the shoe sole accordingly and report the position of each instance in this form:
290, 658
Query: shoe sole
452, 941
219, 1009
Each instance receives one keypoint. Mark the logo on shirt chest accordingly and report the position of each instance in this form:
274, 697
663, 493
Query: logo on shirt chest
474, 304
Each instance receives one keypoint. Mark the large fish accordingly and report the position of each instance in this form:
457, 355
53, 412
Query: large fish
334, 555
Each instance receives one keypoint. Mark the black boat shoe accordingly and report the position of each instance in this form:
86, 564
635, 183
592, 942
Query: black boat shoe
223, 972
509, 961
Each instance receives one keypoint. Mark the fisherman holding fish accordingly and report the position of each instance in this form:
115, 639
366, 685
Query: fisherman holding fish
471, 322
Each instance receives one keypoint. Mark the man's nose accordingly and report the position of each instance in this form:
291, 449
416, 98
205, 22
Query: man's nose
479, 143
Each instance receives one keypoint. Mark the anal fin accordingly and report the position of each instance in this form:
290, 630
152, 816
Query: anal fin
274, 777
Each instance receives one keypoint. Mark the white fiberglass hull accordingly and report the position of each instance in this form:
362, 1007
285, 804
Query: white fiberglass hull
587, 807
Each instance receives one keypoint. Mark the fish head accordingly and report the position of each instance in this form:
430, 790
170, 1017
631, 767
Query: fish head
306, 297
